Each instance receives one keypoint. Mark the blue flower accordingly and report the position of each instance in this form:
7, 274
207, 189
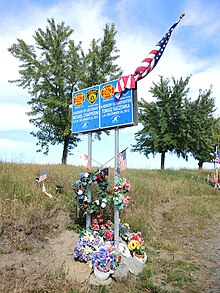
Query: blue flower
82, 175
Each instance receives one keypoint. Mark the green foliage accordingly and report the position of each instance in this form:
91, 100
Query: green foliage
201, 124
176, 124
55, 67
164, 122
216, 132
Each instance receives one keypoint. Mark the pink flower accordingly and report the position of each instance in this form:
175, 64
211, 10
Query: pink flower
125, 200
95, 227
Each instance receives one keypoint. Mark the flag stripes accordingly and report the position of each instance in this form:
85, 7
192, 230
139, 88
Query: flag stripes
43, 176
122, 161
146, 66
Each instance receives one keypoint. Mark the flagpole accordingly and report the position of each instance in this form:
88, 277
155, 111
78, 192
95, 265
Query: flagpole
116, 210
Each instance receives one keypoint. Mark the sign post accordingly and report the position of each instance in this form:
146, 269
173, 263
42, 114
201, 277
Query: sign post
97, 108
88, 215
116, 210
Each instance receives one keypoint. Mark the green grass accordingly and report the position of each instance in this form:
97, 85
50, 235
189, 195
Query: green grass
167, 206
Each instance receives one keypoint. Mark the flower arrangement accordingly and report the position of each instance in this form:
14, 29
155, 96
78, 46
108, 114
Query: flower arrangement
125, 232
134, 240
121, 188
105, 230
99, 191
135, 244
86, 246
103, 260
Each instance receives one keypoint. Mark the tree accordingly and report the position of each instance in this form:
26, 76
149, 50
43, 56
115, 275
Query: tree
216, 133
164, 121
202, 125
55, 67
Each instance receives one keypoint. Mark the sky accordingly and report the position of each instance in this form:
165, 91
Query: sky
193, 49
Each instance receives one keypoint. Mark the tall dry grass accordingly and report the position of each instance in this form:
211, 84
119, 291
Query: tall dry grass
167, 206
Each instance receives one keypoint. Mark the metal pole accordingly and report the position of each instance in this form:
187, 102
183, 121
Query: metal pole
88, 215
116, 210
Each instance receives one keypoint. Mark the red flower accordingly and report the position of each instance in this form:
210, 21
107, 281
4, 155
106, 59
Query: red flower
94, 221
99, 177
108, 235
109, 223
95, 227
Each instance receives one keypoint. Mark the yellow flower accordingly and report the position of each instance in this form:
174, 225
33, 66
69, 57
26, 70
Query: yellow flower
133, 244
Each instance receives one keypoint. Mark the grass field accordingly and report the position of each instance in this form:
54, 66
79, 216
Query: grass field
178, 213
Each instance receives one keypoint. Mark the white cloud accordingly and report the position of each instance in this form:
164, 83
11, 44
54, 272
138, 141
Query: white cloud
8, 143
13, 116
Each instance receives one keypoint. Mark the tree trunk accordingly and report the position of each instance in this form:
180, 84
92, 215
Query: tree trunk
65, 150
162, 160
200, 164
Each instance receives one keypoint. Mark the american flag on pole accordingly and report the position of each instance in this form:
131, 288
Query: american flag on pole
146, 66
43, 176
122, 161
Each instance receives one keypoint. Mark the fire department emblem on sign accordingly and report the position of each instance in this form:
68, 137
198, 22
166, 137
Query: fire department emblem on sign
92, 96
108, 91
79, 99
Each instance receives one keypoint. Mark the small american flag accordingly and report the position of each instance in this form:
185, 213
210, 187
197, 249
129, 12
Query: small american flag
122, 161
43, 176
104, 172
146, 66
217, 159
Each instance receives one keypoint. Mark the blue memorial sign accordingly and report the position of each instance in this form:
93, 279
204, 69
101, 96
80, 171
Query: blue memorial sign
114, 112
97, 108
85, 110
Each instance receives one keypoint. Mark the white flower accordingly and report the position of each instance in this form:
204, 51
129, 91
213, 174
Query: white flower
85, 198
97, 202
87, 235
80, 191
104, 200
88, 250
86, 174
103, 205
